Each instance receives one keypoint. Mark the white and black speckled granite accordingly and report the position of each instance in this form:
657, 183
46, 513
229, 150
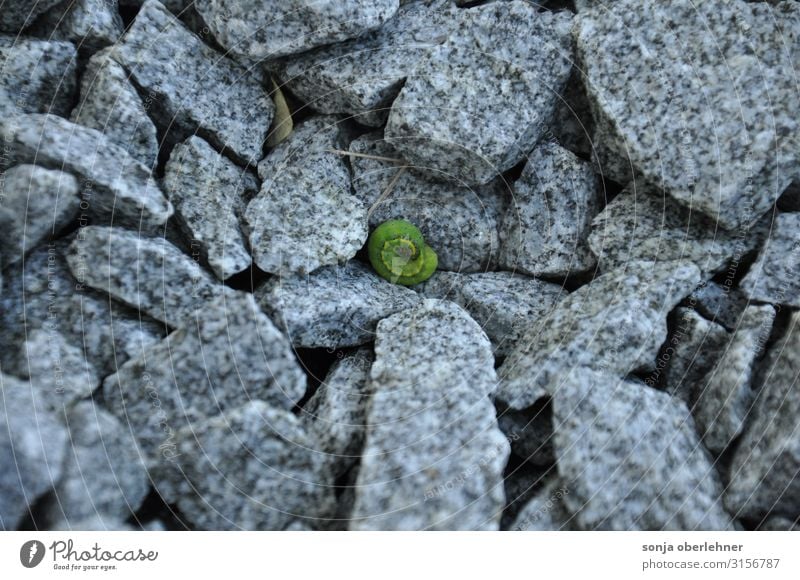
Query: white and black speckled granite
479, 102
775, 275
90, 24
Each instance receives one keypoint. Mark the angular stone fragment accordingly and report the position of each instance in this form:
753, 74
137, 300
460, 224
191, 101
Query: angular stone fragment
720, 303
228, 354
109, 103
104, 474
362, 76
209, 194
642, 223
459, 223
305, 215
335, 417
434, 457
32, 450
628, 454
90, 24
616, 324
45, 296
253, 468
266, 30
19, 14
545, 229
148, 274
194, 88
726, 395
114, 183
546, 511
335, 307
506, 305
666, 113
38, 75
775, 275
35, 204
764, 473
504, 65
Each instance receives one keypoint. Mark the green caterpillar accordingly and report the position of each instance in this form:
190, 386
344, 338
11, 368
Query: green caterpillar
398, 252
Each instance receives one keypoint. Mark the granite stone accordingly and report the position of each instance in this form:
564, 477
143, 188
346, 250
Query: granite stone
775, 275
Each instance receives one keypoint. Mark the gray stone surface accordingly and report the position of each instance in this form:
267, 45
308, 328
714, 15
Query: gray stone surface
209, 193
36, 204
689, 355
503, 66
764, 471
629, 455
306, 215
229, 353
104, 474
252, 469
678, 112
45, 296
434, 457
262, 30
720, 303
32, 450
545, 229
644, 223
459, 223
614, 324
726, 395
775, 275
335, 416
362, 76
90, 24
18, 14
335, 307
194, 88
546, 511
112, 182
506, 305
148, 274
38, 76
109, 103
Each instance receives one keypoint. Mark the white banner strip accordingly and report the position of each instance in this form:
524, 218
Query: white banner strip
388, 556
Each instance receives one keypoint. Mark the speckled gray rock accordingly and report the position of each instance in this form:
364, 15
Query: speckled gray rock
546, 511
109, 103
434, 457
643, 223
361, 77
35, 204
306, 215
209, 194
335, 307
56, 369
504, 65
616, 323
726, 395
764, 471
90, 24
32, 450
114, 183
228, 354
506, 305
688, 355
720, 303
148, 274
38, 75
335, 417
677, 110
628, 454
45, 296
458, 222
775, 275
265, 30
252, 469
545, 229
104, 474
194, 88
18, 14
